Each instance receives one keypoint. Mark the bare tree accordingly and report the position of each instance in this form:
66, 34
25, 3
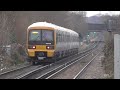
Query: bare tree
13, 28
77, 22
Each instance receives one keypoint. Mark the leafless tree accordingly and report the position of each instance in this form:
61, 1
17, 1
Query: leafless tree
13, 27
77, 22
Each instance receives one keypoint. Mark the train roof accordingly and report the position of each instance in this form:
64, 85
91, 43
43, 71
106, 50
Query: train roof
45, 24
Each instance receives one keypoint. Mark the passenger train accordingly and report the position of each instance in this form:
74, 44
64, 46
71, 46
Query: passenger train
47, 41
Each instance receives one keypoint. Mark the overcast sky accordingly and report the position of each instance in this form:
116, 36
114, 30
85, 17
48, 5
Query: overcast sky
92, 13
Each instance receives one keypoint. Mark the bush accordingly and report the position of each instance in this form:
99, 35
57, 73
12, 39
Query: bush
18, 54
108, 61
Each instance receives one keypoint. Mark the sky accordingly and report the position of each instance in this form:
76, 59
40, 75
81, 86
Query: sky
92, 13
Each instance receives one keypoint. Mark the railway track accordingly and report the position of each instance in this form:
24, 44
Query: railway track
5, 74
85, 67
49, 73
26, 75
16, 72
33, 72
20, 73
57, 70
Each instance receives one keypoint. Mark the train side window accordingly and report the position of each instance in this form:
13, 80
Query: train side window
61, 37
68, 38
57, 38
73, 38
64, 37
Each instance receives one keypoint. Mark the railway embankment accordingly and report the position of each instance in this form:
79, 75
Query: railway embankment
108, 60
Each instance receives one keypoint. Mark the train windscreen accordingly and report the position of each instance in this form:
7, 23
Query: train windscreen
41, 36
47, 35
35, 36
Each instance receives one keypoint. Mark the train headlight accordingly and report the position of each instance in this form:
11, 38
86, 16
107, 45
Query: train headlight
32, 47
49, 47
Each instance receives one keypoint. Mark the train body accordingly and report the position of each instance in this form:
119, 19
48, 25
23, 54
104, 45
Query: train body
46, 41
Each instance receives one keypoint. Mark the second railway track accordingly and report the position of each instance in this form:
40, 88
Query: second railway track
28, 71
42, 73
85, 67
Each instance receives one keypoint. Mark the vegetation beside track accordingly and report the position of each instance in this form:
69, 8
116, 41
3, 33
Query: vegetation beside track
108, 60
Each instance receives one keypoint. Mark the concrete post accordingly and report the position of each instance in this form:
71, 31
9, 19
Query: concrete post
116, 56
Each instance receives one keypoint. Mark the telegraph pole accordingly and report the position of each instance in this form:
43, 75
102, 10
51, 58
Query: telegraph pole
110, 29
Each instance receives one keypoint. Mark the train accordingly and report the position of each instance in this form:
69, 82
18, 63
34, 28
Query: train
46, 42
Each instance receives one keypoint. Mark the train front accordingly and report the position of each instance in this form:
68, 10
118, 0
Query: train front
40, 43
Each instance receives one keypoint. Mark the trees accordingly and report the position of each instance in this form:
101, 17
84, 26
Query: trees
76, 21
112, 22
13, 26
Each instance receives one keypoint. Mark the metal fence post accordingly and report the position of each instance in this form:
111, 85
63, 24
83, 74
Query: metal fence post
116, 56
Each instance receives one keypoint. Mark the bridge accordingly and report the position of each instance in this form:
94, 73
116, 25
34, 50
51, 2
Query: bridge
96, 27
95, 24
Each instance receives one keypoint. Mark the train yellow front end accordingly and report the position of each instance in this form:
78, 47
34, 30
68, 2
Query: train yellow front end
41, 51
41, 43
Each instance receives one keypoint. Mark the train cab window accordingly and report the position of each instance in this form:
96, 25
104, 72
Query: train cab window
47, 35
35, 35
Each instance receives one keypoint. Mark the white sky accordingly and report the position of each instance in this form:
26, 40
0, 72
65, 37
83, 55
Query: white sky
92, 13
